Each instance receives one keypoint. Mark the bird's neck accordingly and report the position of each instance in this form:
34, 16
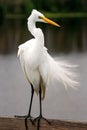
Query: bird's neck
36, 32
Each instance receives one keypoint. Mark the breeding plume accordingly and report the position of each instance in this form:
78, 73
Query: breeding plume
39, 67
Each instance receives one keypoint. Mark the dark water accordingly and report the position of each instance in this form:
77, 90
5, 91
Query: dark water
66, 43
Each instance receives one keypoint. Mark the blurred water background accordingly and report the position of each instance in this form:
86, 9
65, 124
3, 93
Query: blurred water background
66, 43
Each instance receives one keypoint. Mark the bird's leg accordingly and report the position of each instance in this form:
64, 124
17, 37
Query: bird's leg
29, 112
40, 116
28, 116
32, 93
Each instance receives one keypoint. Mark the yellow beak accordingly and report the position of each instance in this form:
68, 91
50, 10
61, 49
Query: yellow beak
50, 21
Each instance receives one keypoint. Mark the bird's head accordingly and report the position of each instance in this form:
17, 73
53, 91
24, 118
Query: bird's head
36, 16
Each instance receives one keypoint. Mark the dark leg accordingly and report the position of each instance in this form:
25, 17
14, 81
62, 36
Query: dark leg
28, 116
32, 93
40, 116
29, 112
40, 100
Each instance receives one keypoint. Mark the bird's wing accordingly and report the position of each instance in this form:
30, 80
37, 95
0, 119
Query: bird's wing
27, 45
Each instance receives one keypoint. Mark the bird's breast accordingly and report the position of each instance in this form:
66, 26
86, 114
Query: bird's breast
29, 62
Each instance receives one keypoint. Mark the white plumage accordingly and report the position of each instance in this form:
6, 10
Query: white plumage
39, 67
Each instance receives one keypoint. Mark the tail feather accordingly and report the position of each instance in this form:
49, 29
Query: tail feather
62, 71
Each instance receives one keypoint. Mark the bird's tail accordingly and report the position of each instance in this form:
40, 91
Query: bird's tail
63, 72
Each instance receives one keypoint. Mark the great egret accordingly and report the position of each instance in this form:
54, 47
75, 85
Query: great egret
39, 67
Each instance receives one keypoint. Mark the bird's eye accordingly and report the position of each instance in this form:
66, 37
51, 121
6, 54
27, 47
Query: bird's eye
39, 17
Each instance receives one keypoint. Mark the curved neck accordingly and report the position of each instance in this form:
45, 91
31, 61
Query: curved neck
36, 32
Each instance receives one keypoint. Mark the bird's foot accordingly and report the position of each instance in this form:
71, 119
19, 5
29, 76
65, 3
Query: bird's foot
39, 118
26, 117
29, 116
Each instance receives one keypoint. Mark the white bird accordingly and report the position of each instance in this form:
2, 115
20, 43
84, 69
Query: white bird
39, 67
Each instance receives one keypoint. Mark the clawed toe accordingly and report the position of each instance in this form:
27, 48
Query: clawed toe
17, 116
41, 118
26, 117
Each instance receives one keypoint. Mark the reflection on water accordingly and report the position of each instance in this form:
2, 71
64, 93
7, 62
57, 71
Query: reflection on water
71, 37
14, 90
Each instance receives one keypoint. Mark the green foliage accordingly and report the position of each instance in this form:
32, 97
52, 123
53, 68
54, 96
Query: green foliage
3, 11
28, 6
52, 6
48, 5
55, 5
73, 5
